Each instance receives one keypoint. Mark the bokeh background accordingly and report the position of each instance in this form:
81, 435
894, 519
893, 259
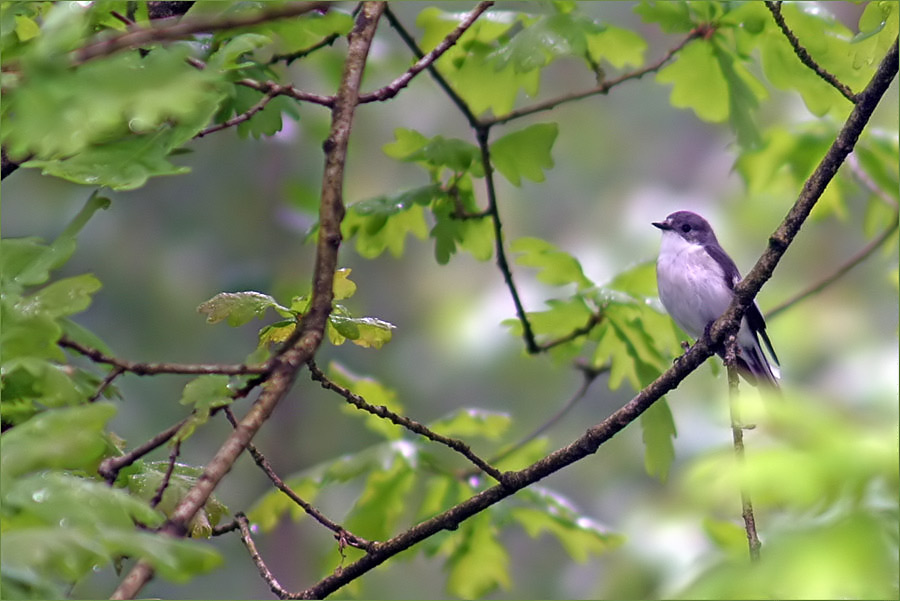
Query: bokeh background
239, 219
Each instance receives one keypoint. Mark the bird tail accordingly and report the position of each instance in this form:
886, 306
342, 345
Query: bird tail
753, 365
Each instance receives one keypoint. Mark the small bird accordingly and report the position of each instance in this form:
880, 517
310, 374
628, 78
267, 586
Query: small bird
696, 280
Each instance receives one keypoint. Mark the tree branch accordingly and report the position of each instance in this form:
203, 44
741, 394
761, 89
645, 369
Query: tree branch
176, 28
815, 185
726, 325
341, 533
867, 251
264, 571
303, 345
111, 466
601, 88
273, 91
149, 369
737, 436
425, 62
432, 70
804, 56
411, 425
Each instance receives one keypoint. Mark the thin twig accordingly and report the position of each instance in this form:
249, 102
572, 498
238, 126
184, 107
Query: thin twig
866, 180
864, 253
410, 42
311, 331
425, 62
601, 88
114, 373
592, 322
264, 571
170, 468
289, 58
340, 532
274, 90
176, 28
737, 435
804, 56
671, 378
111, 466
400, 420
482, 133
147, 369
590, 374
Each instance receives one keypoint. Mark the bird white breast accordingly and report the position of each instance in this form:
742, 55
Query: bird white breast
691, 297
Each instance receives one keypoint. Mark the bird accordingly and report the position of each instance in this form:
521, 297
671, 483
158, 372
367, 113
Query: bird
696, 279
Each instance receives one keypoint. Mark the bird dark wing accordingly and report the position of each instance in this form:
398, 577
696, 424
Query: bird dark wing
732, 276
729, 269
758, 325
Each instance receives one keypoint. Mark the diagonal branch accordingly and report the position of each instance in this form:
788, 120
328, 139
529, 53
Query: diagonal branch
308, 336
411, 425
804, 56
176, 28
482, 134
427, 60
243, 525
828, 280
435, 74
341, 533
601, 88
779, 241
726, 325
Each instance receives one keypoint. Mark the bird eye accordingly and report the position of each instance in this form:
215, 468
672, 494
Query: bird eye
685, 228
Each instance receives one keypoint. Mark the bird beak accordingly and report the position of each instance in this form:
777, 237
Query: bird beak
663, 225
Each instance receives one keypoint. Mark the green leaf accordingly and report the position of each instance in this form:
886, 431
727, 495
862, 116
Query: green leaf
407, 142
472, 423
383, 500
343, 286
392, 204
744, 94
580, 538
54, 496
450, 232
525, 153
638, 281
557, 268
229, 55
698, 82
457, 155
294, 35
139, 95
727, 536
479, 563
177, 560
277, 332
70, 438
239, 307
28, 261
68, 553
63, 297
122, 165
658, 432
549, 38
672, 17
619, 47
378, 231
205, 392
373, 392
367, 332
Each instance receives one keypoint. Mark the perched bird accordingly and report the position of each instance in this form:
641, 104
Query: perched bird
696, 280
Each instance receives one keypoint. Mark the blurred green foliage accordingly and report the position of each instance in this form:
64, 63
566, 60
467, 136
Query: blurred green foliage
821, 464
